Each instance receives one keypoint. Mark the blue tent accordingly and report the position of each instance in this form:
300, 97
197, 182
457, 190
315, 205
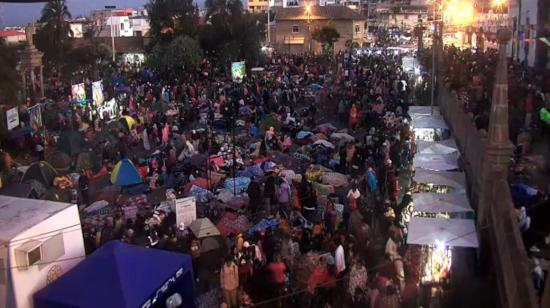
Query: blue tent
120, 275
125, 174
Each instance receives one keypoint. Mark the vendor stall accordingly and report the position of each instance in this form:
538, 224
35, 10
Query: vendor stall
439, 181
436, 162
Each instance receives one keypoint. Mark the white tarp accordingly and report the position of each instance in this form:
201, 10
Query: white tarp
456, 180
450, 232
429, 122
436, 162
441, 203
447, 146
203, 227
415, 111
12, 117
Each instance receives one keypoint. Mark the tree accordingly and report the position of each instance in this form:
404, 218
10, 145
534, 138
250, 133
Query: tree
9, 85
53, 36
180, 55
170, 18
327, 36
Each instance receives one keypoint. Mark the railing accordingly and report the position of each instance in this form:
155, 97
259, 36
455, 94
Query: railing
509, 261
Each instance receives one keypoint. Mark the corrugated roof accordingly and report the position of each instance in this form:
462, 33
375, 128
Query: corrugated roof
19, 214
317, 13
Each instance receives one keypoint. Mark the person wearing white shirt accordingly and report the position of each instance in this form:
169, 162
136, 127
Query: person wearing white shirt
340, 259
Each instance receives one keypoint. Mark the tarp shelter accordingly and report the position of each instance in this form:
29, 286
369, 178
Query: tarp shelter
125, 174
72, 143
203, 227
444, 147
455, 180
40, 171
120, 275
441, 203
436, 162
60, 161
415, 111
450, 232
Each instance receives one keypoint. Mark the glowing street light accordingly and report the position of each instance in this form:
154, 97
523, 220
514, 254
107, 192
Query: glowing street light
308, 12
458, 12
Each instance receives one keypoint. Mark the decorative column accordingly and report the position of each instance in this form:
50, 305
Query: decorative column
31, 59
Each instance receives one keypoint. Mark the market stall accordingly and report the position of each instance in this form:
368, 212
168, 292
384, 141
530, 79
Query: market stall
436, 162
438, 181
447, 146
432, 204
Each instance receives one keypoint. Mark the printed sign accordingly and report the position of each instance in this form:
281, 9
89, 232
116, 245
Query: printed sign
12, 115
97, 92
78, 92
238, 71
35, 114
186, 211
109, 107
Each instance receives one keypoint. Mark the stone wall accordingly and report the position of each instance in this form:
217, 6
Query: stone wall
500, 238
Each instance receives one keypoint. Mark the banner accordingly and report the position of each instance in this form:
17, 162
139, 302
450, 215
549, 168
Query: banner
79, 93
186, 211
109, 107
35, 114
238, 71
12, 115
97, 92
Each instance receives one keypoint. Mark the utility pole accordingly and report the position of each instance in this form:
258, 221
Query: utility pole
268, 23
111, 8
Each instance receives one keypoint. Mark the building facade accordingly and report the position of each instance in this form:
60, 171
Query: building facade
294, 27
124, 22
13, 36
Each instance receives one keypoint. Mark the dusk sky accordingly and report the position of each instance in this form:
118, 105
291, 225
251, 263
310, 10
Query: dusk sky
20, 14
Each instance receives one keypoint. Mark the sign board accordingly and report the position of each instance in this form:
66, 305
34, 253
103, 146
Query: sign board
97, 92
35, 114
12, 115
186, 211
109, 107
238, 71
78, 92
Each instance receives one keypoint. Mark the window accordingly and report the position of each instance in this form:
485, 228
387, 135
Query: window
357, 29
121, 26
295, 29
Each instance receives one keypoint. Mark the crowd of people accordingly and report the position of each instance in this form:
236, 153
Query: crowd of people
322, 150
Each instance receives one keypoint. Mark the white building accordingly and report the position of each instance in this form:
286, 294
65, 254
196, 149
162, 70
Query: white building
123, 22
77, 28
13, 36
39, 241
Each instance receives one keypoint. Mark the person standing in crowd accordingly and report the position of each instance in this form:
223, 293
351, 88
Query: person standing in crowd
229, 281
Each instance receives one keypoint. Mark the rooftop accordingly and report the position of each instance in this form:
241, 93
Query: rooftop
18, 214
317, 13
6, 33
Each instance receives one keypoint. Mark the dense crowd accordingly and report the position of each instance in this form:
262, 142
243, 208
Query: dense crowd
315, 155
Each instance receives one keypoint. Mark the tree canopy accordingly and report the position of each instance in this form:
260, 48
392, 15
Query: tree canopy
53, 37
327, 36
9, 76
170, 18
180, 55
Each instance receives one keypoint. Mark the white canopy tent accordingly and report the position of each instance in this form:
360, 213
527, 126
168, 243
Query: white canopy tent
436, 162
436, 122
441, 203
415, 111
447, 146
203, 227
456, 180
448, 232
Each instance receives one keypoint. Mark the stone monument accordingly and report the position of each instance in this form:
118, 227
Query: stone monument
31, 67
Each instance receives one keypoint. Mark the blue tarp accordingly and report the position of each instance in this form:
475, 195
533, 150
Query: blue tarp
264, 224
241, 184
120, 275
303, 134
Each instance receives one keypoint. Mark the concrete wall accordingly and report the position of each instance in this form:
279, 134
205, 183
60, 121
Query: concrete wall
346, 29
26, 282
501, 242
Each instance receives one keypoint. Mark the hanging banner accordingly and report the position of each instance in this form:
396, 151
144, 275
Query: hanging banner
35, 114
97, 92
12, 115
186, 211
238, 71
78, 92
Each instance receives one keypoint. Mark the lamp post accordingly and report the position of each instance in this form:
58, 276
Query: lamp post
111, 8
308, 16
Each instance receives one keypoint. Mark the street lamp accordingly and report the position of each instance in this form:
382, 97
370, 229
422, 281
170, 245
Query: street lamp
111, 8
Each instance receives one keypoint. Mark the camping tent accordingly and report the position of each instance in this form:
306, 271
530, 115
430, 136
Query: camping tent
446, 203
436, 162
447, 146
121, 275
450, 232
125, 174
31, 189
203, 227
455, 180
60, 161
40, 171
